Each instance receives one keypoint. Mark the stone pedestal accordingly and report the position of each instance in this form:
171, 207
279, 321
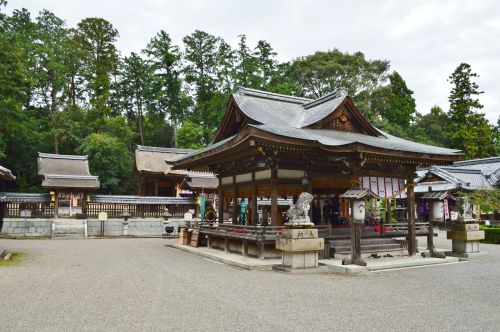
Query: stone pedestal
125, 227
300, 246
465, 239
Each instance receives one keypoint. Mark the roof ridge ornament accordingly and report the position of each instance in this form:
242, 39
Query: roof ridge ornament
339, 93
271, 95
62, 156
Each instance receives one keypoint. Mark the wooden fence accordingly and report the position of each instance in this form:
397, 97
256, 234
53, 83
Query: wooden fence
26, 205
138, 206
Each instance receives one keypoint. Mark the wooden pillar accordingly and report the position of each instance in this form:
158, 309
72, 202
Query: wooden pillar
156, 187
221, 203
56, 204
430, 236
410, 197
235, 202
309, 189
253, 206
274, 197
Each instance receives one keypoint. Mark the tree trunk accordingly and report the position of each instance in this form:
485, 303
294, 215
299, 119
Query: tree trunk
139, 122
53, 110
174, 128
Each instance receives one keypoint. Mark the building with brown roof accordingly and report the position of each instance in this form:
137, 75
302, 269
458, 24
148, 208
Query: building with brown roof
157, 178
68, 178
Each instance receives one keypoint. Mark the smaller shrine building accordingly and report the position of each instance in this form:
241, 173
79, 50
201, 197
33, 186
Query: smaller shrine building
68, 179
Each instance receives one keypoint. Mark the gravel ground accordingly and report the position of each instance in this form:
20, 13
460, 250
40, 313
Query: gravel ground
141, 285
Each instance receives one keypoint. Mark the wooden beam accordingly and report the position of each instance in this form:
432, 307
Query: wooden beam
410, 198
235, 202
221, 203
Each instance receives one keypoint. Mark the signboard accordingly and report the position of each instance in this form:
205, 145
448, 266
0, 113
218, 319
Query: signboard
385, 186
446, 209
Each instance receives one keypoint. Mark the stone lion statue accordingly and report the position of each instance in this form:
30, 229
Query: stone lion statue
300, 210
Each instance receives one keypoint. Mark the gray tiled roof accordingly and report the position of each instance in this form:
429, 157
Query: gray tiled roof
454, 177
6, 197
435, 186
129, 199
486, 165
338, 138
270, 108
290, 116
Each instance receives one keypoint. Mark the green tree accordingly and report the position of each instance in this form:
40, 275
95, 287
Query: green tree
52, 37
324, 72
470, 131
111, 161
401, 104
165, 58
135, 82
100, 57
202, 69
191, 136
435, 125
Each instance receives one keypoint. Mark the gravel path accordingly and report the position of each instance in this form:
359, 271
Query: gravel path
141, 285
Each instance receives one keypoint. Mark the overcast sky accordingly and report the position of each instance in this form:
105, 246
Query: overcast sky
423, 40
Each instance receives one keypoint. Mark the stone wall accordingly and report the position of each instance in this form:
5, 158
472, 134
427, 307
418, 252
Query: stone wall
20, 227
42, 227
137, 227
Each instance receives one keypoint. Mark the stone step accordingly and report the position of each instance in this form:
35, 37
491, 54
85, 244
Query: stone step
69, 222
368, 248
69, 226
347, 242
70, 237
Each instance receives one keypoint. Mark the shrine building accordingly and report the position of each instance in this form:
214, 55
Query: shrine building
277, 146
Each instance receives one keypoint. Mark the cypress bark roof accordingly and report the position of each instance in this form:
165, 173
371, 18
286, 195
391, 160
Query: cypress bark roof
66, 171
156, 160
6, 174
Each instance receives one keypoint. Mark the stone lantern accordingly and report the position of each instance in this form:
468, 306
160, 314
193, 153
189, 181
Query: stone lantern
436, 214
465, 235
357, 198
166, 223
125, 215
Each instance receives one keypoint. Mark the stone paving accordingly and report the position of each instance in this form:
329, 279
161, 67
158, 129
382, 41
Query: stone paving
142, 285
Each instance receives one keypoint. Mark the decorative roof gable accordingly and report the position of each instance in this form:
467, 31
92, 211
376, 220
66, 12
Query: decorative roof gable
335, 111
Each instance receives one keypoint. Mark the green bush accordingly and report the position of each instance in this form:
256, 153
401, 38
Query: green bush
491, 234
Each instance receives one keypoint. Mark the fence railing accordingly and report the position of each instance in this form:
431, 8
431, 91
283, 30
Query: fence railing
26, 205
138, 206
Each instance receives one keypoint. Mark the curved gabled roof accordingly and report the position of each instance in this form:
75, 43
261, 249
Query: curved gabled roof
265, 108
330, 122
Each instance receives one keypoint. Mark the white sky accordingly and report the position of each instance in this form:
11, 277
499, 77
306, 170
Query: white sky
423, 40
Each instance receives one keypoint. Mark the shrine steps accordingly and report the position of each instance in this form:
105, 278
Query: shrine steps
379, 246
68, 229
